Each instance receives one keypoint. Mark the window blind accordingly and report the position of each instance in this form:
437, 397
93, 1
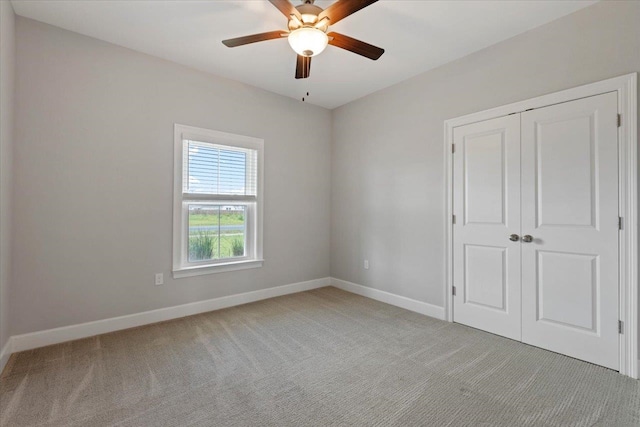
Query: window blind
219, 170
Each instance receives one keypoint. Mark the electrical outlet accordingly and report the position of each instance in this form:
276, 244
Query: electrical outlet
366, 264
159, 279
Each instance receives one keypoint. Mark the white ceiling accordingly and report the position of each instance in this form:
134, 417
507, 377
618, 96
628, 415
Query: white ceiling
417, 35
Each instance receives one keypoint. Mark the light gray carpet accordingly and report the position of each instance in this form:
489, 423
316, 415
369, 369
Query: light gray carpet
324, 357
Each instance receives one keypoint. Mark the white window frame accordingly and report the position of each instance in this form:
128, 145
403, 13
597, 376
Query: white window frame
254, 223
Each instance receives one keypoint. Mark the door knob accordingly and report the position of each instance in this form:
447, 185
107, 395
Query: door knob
527, 238
514, 237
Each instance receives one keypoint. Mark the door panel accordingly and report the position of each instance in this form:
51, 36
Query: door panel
570, 208
485, 282
565, 157
553, 290
487, 202
484, 178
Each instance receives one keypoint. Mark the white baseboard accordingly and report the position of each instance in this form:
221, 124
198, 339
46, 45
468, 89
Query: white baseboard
389, 298
83, 330
89, 329
33, 340
5, 353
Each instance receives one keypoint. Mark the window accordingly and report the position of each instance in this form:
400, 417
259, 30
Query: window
217, 216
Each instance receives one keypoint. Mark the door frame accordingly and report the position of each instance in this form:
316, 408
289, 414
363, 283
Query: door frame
626, 86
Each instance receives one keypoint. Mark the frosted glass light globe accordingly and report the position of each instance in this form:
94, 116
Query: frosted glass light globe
308, 41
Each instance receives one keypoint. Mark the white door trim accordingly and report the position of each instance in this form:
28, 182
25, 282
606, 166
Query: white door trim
626, 87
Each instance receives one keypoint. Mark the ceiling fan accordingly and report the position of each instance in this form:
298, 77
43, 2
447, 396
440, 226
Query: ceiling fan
307, 31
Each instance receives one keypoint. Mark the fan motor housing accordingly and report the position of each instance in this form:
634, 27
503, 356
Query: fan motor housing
309, 10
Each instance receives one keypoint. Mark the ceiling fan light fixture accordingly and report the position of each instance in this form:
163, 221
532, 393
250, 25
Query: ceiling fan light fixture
308, 41
308, 31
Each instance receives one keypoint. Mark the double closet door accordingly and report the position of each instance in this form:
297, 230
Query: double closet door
535, 243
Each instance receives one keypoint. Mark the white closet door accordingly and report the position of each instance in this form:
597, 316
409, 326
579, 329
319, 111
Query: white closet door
487, 208
570, 208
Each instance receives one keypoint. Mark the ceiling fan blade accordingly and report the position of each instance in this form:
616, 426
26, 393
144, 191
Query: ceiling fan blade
286, 8
356, 46
303, 67
343, 8
239, 41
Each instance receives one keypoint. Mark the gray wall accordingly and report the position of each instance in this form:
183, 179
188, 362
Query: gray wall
93, 166
387, 153
7, 75
93, 179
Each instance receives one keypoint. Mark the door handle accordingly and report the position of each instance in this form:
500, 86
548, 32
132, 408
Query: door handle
527, 238
514, 237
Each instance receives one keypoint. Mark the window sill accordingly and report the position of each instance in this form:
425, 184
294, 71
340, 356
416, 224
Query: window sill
218, 268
